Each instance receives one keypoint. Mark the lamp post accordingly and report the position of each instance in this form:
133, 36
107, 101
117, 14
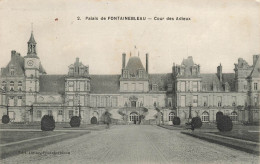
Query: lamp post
7, 109
190, 118
79, 110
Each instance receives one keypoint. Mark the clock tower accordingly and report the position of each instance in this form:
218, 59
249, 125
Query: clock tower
32, 67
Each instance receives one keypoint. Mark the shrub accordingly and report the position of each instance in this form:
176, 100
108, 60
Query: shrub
218, 115
224, 124
5, 119
47, 123
195, 123
75, 121
176, 121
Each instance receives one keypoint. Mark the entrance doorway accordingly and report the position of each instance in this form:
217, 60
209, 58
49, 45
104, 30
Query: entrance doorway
133, 117
93, 120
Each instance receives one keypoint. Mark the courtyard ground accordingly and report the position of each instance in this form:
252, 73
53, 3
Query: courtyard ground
134, 144
17, 139
250, 133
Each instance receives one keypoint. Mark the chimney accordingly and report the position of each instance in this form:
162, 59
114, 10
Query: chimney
219, 73
255, 57
123, 60
147, 63
173, 69
77, 60
13, 52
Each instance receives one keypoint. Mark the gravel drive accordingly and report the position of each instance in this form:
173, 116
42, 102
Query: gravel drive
135, 144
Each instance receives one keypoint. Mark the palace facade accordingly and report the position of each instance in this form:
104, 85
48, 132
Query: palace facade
135, 95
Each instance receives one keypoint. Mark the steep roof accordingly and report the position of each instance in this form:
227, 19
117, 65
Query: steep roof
162, 80
256, 69
106, 84
209, 80
32, 40
52, 83
230, 79
16, 62
133, 64
188, 62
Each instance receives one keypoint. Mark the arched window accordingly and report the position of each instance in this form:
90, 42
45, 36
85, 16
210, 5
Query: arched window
205, 117
233, 116
133, 117
11, 86
20, 84
171, 115
4, 85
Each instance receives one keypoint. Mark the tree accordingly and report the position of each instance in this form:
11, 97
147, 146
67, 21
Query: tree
75, 121
224, 124
195, 123
176, 121
5, 119
47, 123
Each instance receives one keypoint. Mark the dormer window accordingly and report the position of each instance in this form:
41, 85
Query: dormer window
12, 71
141, 73
155, 87
125, 74
71, 70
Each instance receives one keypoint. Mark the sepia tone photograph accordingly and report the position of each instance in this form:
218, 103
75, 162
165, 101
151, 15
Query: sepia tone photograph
129, 82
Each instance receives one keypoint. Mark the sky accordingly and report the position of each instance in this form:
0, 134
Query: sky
218, 32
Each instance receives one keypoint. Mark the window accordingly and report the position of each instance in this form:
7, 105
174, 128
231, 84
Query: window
195, 101
81, 87
125, 74
205, 101
195, 86
141, 87
88, 86
60, 112
114, 101
183, 87
125, 86
171, 115
255, 101
154, 101
20, 85
11, 101
125, 101
255, 86
183, 101
12, 71
219, 101
205, 117
133, 87
70, 113
19, 101
169, 102
155, 87
82, 102
11, 86
4, 85
234, 101
71, 86
233, 116
107, 102
50, 112
71, 70
141, 73
39, 114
